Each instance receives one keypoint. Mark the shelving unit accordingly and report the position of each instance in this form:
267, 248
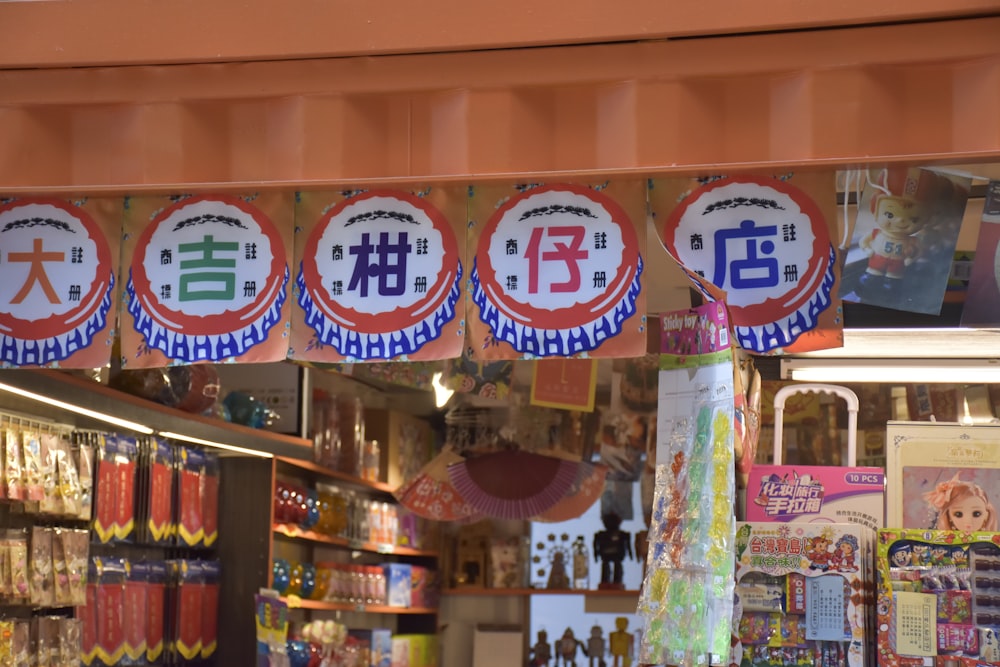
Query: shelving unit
528, 592
296, 533
320, 605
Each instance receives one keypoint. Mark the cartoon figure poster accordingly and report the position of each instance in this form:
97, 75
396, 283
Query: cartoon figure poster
983, 294
557, 270
58, 279
904, 239
379, 275
207, 279
764, 246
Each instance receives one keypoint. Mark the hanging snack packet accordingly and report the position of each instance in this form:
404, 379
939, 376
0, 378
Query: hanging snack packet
109, 575
88, 614
21, 643
104, 490
42, 583
125, 461
70, 631
33, 466
135, 612
190, 524
13, 465
6, 643
85, 468
210, 497
17, 545
60, 569
160, 492
48, 453
211, 573
156, 600
189, 609
47, 630
76, 544
68, 478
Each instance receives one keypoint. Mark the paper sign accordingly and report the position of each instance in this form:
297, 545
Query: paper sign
379, 276
208, 279
914, 623
825, 608
557, 271
568, 384
58, 262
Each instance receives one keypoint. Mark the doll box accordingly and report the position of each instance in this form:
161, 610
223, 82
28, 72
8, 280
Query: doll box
933, 467
791, 493
801, 594
938, 601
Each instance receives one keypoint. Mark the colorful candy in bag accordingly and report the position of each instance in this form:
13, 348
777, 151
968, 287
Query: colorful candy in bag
42, 580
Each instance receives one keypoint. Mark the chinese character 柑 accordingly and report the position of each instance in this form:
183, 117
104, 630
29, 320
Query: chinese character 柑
391, 274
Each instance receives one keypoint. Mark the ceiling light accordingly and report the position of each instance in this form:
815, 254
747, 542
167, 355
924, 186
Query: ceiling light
86, 412
442, 394
953, 371
217, 445
917, 343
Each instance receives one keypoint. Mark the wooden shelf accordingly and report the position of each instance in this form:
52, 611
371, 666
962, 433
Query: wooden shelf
526, 592
342, 477
320, 605
90, 395
296, 533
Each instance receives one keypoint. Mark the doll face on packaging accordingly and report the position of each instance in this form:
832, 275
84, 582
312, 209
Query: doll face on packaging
968, 514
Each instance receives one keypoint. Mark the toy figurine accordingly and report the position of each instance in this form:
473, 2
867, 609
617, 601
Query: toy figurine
893, 246
557, 570
540, 652
581, 564
595, 647
621, 643
566, 647
612, 545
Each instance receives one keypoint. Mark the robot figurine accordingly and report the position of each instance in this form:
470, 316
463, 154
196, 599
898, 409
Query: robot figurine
611, 546
596, 647
540, 653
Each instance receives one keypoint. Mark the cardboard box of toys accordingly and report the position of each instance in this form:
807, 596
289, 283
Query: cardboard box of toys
938, 601
377, 643
803, 595
398, 584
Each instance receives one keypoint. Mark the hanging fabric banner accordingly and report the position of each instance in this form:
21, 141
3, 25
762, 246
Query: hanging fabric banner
208, 279
379, 275
557, 271
904, 239
58, 267
983, 295
766, 243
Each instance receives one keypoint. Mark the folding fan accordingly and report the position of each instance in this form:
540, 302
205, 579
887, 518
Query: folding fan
430, 494
587, 488
511, 484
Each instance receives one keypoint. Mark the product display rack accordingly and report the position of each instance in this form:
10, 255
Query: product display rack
254, 540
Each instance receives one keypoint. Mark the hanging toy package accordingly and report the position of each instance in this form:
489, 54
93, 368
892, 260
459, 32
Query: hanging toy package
687, 598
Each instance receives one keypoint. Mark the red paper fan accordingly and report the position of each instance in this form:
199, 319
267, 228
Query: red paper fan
512, 484
430, 493
582, 495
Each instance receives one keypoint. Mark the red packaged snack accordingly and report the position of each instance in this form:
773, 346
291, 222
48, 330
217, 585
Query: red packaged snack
210, 498
189, 612
190, 524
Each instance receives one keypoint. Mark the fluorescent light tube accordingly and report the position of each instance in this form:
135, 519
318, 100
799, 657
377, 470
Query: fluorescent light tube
952, 371
86, 412
217, 445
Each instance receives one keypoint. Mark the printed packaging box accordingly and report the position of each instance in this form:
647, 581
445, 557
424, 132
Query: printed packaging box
784, 493
803, 595
398, 584
379, 642
937, 598
943, 476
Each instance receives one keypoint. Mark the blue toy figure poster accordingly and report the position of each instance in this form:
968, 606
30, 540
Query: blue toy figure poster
904, 239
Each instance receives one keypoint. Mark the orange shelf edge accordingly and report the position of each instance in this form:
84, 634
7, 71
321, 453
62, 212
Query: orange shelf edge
294, 532
322, 605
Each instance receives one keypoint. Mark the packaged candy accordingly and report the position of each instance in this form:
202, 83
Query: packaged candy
158, 473
68, 476
76, 545
42, 580
211, 573
85, 468
70, 632
62, 595
49, 454
13, 465
134, 608
21, 643
189, 619
20, 579
210, 498
33, 466
109, 575
190, 508
156, 601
